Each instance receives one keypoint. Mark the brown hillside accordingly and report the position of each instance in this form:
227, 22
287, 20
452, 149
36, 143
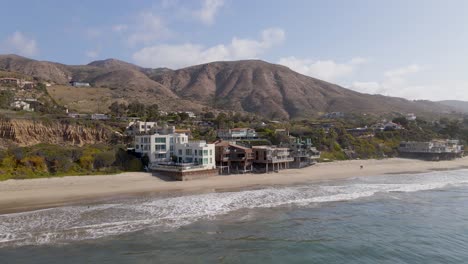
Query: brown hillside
253, 86
276, 91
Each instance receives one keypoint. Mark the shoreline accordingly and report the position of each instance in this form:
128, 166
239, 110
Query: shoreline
33, 194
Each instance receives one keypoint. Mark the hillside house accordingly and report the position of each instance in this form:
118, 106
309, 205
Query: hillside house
237, 134
139, 127
100, 117
79, 84
392, 126
21, 105
12, 82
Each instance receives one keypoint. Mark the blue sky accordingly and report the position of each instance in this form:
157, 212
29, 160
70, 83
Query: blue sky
413, 49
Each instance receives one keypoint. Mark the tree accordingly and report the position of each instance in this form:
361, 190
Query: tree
401, 120
104, 159
136, 109
6, 98
118, 109
152, 112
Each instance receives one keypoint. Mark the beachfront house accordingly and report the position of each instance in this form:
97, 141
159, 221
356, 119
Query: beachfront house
272, 158
431, 150
232, 158
172, 154
303, 152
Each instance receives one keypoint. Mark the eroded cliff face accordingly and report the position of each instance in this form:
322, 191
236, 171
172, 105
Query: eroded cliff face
31, 132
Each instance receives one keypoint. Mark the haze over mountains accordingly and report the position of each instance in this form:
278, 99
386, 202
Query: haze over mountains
252, 86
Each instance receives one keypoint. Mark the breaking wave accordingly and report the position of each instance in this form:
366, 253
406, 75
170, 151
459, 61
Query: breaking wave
72, 223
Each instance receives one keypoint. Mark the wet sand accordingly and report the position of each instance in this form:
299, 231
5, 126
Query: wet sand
24, 195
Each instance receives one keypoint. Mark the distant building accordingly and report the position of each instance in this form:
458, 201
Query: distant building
334, 115
411, 117
79, 84
15, 82
77, 115
392, 126
10, 81
27, 84
237, 134
99, 117
21, 105
431, 150
361, 131
138, 127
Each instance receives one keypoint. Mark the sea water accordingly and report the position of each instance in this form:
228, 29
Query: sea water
413, 218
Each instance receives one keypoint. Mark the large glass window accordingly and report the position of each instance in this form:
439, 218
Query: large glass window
188, 152
205, 152
205, 160
160, 147
160, 140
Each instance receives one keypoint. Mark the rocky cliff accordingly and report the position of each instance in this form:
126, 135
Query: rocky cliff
24, 132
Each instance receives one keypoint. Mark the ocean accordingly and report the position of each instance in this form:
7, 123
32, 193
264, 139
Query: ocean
412, 218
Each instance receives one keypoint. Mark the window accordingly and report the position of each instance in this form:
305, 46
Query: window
205, 160
196, 153
188, 152
211, 160
160, 140
171, 148
211, 152
137, 146
180, 152
205, 152
160, 147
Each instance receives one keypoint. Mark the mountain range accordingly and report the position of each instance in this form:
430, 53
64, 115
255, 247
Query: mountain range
253, 86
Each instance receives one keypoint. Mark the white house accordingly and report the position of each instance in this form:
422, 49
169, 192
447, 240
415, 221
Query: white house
138, 127
160, 148
237, 134
21, 105
196, 152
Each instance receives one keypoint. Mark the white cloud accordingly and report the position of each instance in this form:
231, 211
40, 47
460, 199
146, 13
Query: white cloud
208, 11
149, 27
20, 44
327, 70
395, 83
177, 56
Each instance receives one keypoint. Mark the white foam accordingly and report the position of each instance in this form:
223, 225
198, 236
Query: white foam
59, 225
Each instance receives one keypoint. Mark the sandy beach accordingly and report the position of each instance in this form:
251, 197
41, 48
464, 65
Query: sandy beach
23, 195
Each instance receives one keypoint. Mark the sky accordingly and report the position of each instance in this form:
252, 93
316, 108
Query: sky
413, 49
